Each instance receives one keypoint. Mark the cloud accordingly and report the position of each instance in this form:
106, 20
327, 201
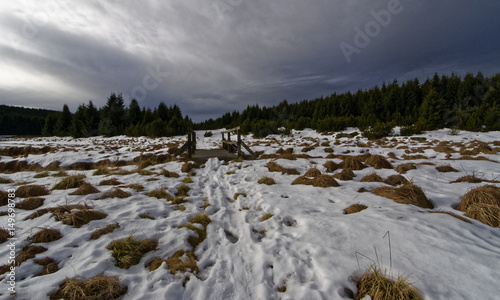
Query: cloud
215, 56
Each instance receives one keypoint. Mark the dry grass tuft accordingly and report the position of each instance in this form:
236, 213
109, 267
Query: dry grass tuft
403, 168
275, 167
182, 191
102, 231
331, 166
115, 193
372, 177
381, 286
482, 204
239, 194
49, 266
378, 162
170, 174
111, 181
187, 167
77, 218
266, 217
42, 175
85, 189
4, 198
451, 214
187, 180
352, 163
202, 219
345, 174
160, 193
31, 191
30, 203
182, 261
155, 263
266, 180
69, 182
396, 180
100, 287
406, 194
354, 208
128, 252
319, 181
5, 180
46, 235
312, 172
28, 252
4, 235
468, 178
135, 186
446, 168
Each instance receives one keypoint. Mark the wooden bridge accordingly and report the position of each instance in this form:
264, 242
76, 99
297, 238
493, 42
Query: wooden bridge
231, 149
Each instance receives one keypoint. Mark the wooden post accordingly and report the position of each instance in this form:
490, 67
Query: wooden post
229, 139
193, 142
190, 149
239, 143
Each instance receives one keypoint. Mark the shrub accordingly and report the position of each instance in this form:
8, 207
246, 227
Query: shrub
128, 252
208, 134
410, 130
378, 131
100, 287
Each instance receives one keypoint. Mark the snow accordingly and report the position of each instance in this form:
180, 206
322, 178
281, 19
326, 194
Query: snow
310, 246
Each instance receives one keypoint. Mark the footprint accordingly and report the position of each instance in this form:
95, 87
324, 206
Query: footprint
231, 237
289, 221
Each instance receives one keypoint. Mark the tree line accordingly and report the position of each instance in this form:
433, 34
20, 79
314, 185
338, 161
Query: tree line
22, 120
471, 103
115, 118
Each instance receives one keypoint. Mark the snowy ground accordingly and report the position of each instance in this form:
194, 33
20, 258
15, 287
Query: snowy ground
308, 245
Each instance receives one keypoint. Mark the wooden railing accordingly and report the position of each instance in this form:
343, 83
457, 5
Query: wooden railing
190, 145
232, 146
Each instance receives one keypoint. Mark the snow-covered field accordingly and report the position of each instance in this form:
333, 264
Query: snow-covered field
278, 241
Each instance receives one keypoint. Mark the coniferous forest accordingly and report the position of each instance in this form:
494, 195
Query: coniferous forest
470, 103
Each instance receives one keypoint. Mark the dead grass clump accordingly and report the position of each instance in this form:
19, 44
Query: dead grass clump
19, 166
308, 148
403, 168
187, 167
30, 203
42, 175
414, 157
346, 174
287, 151
31, 191
446, 168
4, 235
135, 186
115, 193
49, 266
183, 190
85, 189
274, 167
312, 172
4, 198
451, 214
170, 174
266, 180
101, 171
444, 147
155, 263
61, 173
354, 208
53, 166
352, 163
100, 287
331, 166
78, 218
5, 180
69, 182
202, 219
378, 162
239, 194
396, 180
319, 181
111, 181
266, 217
81, 165
482, 204
28, 252
46, 235
128, 252
372, 177
160, 193
105, 230
379, 285
406, 194
468, 178
187, 180
182, 261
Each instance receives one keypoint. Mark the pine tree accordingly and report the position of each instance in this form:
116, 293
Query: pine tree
432, 111
134, 113
63, 123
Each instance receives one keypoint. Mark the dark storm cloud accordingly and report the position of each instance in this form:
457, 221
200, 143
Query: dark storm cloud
215, 56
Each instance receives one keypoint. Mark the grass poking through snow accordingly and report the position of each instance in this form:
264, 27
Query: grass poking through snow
128, 252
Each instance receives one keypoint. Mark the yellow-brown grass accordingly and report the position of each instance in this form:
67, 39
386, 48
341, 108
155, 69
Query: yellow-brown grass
128, 252
446, 168
275, 167
378, 162
160, 193
406, 194
42, 175
372, 177
155, 263
202, 219
403, 168
170, 174
354, 208
345, 174
352, 163
266, 181
30, 203
312, 172
319, 181
28, 252
46, 235
104, 230
236, 195
183, 190
331, 166
482, 204
4, 198
176, 263
5, 180
187, 167
77, 218
267, 216
49, 266
396, 180
31, 191
115, 193
111, 181
100, 287
69, 182
4, 235
19, 166
382, 286
468, 178
85, 189
137, 187
451, 214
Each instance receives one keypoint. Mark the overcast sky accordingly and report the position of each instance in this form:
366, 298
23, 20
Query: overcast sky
215, 56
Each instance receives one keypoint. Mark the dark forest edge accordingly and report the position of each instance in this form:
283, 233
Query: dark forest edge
470, 103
